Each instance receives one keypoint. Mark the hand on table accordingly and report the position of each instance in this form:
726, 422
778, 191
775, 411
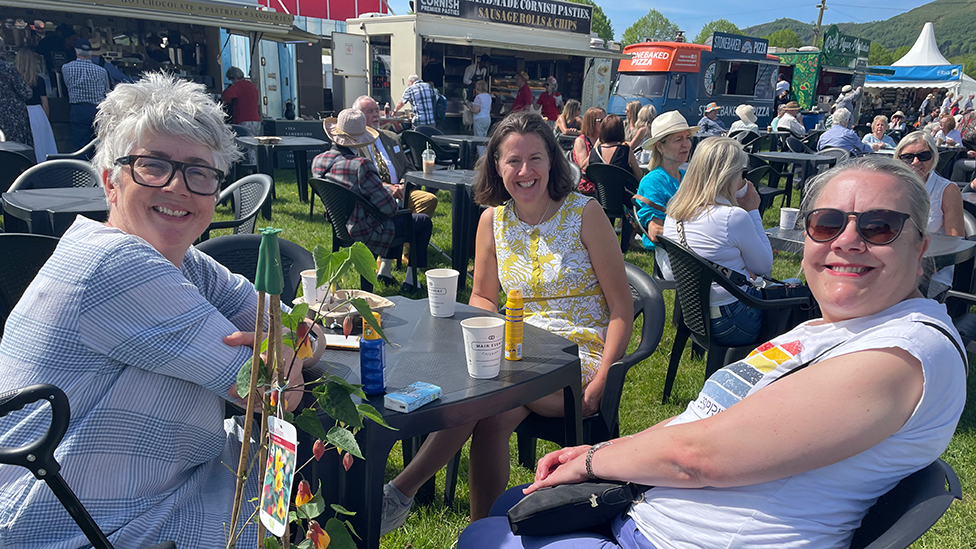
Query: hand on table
564, 466
296, 383
971, 154
877, 145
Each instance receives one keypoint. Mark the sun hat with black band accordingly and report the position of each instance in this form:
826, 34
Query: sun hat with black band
349, 129
665, 125
791, 106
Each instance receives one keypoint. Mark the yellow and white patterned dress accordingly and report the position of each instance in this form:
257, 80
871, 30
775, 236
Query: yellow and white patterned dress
552, 268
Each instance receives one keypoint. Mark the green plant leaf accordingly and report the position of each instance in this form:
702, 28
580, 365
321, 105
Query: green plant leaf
344, 439
336, 402
296, 316
368, 411
323, 259
351, 529
307, 544
244, 377
355, 390
364, 262
314, 507
288, 339
293, 517
341, 510
363, 308
309, 422
271, 543
338, 264
340, 538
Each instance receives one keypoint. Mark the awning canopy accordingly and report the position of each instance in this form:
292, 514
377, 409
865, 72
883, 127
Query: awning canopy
472, 41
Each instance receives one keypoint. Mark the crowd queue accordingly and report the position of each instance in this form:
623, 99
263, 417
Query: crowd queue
131, 312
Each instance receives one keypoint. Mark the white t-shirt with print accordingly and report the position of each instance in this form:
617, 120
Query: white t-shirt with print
818, 508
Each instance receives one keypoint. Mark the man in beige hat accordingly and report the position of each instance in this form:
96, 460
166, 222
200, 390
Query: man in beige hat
670, 146
341, 164
792, 120
898, 122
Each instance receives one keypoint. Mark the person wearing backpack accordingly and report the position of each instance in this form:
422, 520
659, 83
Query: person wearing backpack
422, 99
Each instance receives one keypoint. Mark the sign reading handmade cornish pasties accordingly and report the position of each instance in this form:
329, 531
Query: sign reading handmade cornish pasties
541, 14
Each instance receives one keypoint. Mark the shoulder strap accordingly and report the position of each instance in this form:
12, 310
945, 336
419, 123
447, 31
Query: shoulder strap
962, 354
735, 277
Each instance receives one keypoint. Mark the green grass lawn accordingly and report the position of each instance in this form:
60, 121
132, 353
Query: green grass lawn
437, 526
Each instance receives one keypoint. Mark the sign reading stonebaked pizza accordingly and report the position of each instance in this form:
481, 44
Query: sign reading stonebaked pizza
540, 14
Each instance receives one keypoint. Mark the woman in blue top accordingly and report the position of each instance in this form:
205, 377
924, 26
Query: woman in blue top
878, 128
670, 145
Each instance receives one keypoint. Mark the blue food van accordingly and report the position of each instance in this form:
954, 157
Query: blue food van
730, 71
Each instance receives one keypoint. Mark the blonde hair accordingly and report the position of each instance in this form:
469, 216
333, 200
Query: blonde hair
570, 111
26, 63
481, 86
633, 108
715, 171
656, 156
646, 115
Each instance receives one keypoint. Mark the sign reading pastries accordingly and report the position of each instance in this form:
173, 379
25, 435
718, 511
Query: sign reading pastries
210, 10
540, 14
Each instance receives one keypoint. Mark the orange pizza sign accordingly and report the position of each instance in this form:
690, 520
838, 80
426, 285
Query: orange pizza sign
662, 57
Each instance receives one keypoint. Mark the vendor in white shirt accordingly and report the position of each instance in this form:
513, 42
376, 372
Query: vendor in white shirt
717, 210
479, 70
792, 120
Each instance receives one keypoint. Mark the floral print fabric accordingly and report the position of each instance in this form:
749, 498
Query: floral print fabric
549, 263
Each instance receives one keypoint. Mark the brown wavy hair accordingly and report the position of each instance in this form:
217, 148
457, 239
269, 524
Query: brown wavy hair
489, 189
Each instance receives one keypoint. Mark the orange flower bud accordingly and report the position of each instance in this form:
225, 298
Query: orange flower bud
347, 461
318, 449
320, 539
304, 494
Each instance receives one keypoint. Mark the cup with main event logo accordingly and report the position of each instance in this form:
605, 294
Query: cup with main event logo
442, 291
484, 339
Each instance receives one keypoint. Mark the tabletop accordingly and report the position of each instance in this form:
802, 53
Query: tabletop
448, 179
52, 211
432, 350
794, 157
16, 147
462, 138
287, 142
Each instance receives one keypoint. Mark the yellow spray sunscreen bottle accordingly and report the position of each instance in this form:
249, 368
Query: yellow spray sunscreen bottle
513, 325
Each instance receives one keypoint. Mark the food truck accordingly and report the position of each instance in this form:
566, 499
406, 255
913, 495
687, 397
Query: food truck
729, 71
376, 55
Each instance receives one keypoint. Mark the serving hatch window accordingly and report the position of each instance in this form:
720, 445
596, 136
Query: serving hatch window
640, 85
738, 78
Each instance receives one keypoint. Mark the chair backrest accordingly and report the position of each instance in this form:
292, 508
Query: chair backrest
693, 283
797, 146
58, 174
614, 187
842, 155
84, 153
11, 166
21, 257
970, 223
417, 142
908, 510
339, 202
239, 253
746, 137
576, 171
240, 131
249, 194
427, 130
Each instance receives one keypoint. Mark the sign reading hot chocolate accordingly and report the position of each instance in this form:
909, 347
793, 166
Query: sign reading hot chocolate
540, 14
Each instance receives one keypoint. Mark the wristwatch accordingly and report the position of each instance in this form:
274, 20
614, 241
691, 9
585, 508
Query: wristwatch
589, 458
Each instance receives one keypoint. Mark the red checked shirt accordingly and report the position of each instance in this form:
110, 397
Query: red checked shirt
359, 174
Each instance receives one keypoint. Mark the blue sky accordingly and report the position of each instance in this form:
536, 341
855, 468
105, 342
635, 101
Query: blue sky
691, 16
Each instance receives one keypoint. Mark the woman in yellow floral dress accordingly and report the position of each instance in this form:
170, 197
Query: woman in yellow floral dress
560, 249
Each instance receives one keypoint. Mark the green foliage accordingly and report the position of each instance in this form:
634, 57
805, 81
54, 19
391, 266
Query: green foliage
803, 30
344, 439
718, 25
339, 535
784, 38
601, 23
244, 377
968, 61
308, 421
880, 55
654, 26
272, 543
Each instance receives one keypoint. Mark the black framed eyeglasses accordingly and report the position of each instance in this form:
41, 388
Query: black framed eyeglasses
908, 158
150, 171
878, 227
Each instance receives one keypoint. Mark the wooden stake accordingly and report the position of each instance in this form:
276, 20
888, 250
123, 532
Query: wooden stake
273, 365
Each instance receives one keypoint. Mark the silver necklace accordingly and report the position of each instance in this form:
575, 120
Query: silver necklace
541, 219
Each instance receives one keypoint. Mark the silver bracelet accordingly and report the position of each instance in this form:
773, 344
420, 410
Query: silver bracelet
589, 458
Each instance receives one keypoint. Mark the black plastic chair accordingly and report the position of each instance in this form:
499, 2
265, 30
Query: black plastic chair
693, 277
239, 253
38, 456
21, 257
340, 201
759, 169
797, 146
85, 153
58, 174
750, 140
11, 166
842, 155
248, 195
604, 425
615, 188
248, 163
908, 510
428, 130
417, 142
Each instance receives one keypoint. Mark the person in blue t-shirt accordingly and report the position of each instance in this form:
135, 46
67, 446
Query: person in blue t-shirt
670, 145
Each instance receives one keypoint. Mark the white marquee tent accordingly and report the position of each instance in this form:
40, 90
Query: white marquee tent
924, 67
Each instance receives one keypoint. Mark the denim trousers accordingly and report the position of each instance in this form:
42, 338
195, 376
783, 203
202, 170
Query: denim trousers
739, 323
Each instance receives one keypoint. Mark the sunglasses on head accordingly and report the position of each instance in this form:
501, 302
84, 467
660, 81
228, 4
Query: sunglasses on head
908, 158
878, 227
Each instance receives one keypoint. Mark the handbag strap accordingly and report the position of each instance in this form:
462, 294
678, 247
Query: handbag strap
735, 277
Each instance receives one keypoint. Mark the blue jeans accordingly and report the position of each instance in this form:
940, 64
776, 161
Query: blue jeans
82, 120
739, 323
494, 532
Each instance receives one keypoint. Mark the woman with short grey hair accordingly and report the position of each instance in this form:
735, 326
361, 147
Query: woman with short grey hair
145, 335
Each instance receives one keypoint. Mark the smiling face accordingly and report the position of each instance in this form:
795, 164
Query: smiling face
523, 164
169, 218
675, 148
849, 277
922, 169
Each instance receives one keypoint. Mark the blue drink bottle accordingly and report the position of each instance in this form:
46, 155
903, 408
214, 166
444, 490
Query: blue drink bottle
372, 360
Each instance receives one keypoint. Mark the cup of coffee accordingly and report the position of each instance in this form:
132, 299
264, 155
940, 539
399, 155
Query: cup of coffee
312, 293
484, 339
428, 158
442, 291
788, 218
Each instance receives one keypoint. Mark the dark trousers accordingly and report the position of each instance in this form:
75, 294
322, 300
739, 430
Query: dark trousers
422, 229
82, 122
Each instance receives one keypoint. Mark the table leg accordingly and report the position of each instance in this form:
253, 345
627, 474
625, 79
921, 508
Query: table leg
573, 405
301, 170
266, 166
462, 216
364, 486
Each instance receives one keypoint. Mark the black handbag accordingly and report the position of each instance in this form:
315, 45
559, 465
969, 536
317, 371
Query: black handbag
572, 507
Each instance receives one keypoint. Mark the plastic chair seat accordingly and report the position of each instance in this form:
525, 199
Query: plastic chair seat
57, 174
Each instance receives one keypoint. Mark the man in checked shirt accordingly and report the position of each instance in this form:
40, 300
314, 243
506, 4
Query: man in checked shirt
87, 85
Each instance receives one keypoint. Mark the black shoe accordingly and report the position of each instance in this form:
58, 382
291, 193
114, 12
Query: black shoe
386, 280
410, 289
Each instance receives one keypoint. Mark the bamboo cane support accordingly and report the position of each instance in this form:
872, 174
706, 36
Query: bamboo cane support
274, 359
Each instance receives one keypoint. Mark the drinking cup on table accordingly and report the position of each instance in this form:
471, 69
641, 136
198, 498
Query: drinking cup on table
442, 291
312, 293
428, 158
484, 339
787, 218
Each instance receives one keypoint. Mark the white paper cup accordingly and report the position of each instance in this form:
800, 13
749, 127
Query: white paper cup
312, 294
787, 218
442, 291
484, 339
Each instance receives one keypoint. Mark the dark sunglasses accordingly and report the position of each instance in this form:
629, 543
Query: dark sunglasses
908, 158
878, 227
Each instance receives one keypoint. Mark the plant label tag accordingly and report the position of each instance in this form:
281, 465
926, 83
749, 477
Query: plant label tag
278, 475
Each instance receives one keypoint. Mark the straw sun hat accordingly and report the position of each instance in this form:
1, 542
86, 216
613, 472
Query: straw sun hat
350, 129
746, 113
665, 125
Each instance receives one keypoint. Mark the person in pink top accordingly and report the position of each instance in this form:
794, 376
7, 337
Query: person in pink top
524, 97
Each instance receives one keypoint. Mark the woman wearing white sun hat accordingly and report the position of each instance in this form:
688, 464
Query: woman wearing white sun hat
747, 120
